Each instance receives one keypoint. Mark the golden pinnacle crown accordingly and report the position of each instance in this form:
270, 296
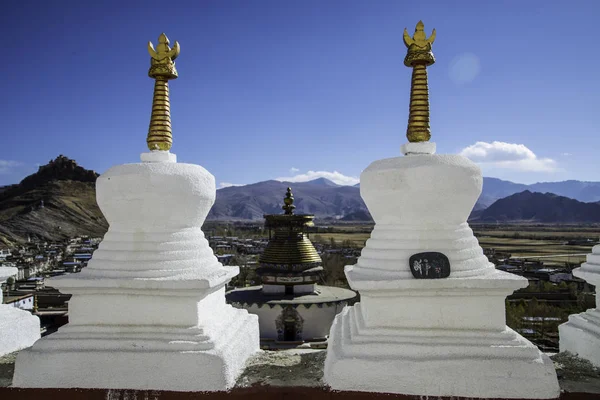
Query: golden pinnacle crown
419, 56
288, 202
162, 68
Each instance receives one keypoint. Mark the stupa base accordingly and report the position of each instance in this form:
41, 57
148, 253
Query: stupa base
581, 335
18, 329
141, 357
436, 362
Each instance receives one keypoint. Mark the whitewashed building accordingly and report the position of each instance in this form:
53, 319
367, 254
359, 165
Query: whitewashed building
18, 328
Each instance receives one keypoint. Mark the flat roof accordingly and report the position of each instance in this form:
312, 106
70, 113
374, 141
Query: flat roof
12, 299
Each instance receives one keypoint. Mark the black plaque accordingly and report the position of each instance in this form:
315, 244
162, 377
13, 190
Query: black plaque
430, 265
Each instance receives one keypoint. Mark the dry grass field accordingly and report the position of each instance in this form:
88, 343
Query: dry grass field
357, 239
548, 251
548, 243
554, 245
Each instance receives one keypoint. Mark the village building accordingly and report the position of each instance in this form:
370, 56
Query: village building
291, 306
22, 302
18, 328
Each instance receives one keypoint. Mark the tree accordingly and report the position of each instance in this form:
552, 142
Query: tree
549, 287
333, 274
514, 315
348, 244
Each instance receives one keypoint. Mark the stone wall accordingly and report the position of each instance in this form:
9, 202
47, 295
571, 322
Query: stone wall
257, 393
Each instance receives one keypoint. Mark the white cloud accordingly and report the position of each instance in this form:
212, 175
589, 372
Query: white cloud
334, 176
566, 154
294, 170
227, 184
508, 155
6, 166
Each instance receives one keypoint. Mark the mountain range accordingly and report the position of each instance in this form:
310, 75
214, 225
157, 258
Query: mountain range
495, 189
321, 197
326, 199
59, 201
537, 207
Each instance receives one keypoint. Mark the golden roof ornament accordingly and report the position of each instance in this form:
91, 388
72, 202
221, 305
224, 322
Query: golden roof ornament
162, 68
288, 202
419, 57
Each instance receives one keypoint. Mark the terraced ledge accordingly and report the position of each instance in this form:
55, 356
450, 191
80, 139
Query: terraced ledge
290, 374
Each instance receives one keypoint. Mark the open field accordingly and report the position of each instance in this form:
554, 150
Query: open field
526, 248
357, 239
537, 232
550, 243
520, 241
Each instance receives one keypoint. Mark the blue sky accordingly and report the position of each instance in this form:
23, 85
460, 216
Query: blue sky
302, 89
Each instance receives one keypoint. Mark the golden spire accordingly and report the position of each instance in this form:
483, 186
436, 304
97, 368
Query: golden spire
419, 57
288, 202
162, 68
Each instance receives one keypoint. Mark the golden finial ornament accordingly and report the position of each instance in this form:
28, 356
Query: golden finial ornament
162, 68
419, 57
288, 202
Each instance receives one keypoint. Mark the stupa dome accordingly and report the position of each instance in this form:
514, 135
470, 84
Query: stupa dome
146, 196
416, 183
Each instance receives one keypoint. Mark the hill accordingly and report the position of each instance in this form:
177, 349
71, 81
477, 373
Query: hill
587, 192
358, 216
324, 182
530, 206
57, 202
320, 197
495, 189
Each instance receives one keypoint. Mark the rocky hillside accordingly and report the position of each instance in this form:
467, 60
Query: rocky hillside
57, 202
536, 207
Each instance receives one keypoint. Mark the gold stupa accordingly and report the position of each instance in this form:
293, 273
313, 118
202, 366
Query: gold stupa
289, 249
419, 56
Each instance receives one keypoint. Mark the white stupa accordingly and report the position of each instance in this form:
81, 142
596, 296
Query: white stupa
149, 310
18, 328
581, 334
431, 319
